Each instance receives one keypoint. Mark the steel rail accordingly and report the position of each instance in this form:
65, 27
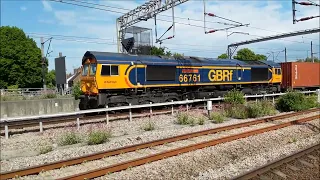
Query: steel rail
112, 152
155, 157
274, 164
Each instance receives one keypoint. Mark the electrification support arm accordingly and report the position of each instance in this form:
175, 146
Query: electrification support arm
144, 12
268, 38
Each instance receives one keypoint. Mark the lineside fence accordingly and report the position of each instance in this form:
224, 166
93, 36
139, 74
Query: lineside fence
33, 92
6, 121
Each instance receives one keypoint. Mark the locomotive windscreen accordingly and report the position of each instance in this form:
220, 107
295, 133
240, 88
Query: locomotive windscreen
259, 74
161, 73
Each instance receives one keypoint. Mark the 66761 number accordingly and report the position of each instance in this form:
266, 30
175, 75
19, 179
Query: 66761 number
189, 78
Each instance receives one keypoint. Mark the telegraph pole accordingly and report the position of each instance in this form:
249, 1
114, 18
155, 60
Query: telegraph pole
43, 65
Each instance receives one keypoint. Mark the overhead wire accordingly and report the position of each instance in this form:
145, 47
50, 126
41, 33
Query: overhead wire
191, 19
158, 19
199, 26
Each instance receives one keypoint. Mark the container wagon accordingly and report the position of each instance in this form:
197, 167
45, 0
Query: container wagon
300, 76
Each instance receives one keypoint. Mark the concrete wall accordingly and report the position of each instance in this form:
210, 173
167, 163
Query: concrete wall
37, 107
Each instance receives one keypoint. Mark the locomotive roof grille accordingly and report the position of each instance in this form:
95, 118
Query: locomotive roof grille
118, 58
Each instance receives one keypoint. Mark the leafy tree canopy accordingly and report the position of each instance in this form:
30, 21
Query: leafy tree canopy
158, 51
247, 54
51, 79
20, 59
223, 56
308, 59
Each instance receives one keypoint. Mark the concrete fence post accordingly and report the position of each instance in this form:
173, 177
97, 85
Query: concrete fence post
130, 113
318, 92
6, 131
78, 120
6, 128
41, 127
204, 104
172, 108
107, 115
150, 109
187, 105
209, 107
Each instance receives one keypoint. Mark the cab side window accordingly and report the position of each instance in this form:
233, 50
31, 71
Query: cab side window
279, 71
109, 70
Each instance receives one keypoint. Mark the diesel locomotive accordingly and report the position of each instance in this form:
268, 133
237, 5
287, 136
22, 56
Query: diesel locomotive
116, 79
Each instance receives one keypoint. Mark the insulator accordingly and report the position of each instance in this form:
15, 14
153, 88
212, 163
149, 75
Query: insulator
170, 27
305, 3
170, 37
211, 14
211, 31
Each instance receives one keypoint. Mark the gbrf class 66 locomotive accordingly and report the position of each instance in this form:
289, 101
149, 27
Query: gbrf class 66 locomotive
116, 79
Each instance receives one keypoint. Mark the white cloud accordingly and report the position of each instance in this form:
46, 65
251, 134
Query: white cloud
23, 8
46, 21
46, 5
66, 17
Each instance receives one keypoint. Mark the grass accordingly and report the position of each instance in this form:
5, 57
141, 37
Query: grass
237, 112
251, 110
217, 117
98, 137
45, 149
184, 118
261, 108
201, 120
150, 126
69, 138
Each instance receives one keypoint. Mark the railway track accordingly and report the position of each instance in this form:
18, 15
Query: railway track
303, 164
85, 119
118, 167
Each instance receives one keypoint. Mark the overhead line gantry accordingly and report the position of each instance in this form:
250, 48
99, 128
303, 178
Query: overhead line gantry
233, 47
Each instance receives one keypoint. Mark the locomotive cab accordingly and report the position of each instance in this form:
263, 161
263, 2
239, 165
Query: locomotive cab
88, 84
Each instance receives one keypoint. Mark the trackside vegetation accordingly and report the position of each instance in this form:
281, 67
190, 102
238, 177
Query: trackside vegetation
236, 107
295, 101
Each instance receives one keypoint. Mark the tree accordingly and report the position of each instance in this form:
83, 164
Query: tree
223, 56
157, 51
308, 59
51, 79
247, 54
20, 59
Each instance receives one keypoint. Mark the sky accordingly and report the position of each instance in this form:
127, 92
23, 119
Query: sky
75, 30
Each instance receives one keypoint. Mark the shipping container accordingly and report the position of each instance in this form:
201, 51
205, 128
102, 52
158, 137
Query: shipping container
300, 75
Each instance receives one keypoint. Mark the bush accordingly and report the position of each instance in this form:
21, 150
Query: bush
295, 101
69, 138
49, 96
237, 111
98, 137
261, 108
76, 90
234, 97
149, 126
201, 120
217, 117
183, 118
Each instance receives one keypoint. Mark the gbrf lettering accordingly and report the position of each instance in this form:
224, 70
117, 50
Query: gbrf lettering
220, 75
